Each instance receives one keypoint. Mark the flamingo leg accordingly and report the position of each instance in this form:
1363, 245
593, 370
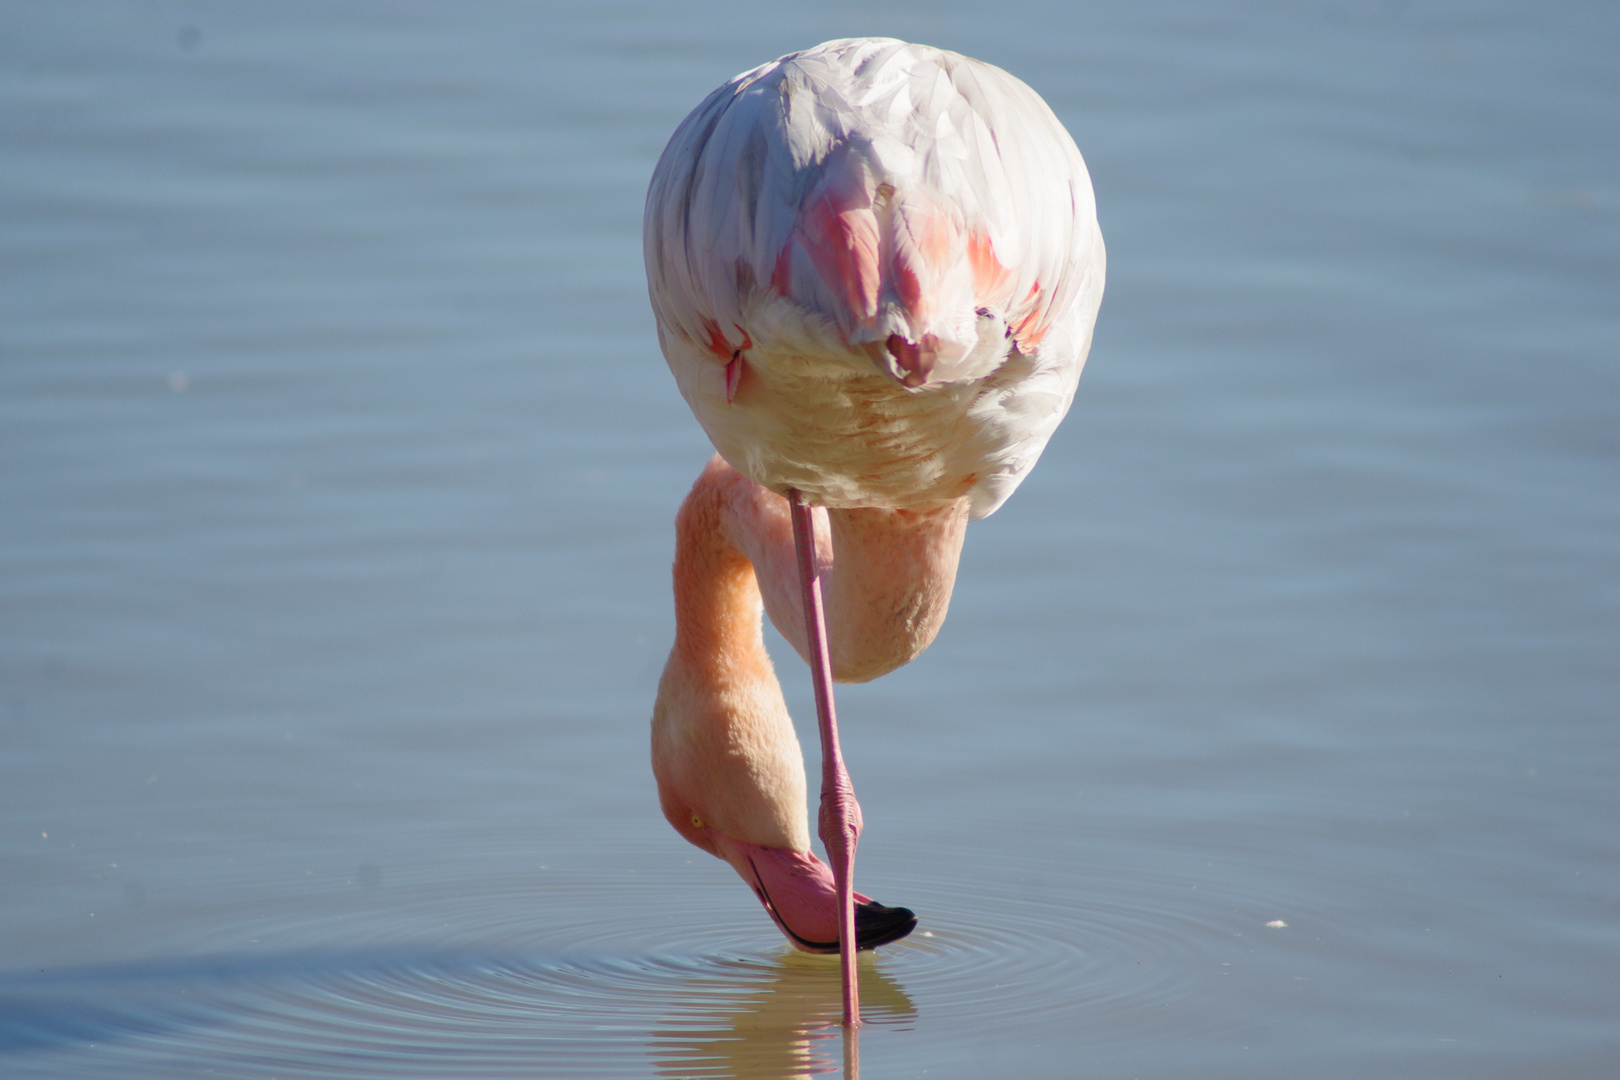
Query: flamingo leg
840, 818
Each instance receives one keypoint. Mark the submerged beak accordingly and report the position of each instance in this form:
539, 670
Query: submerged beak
801, 897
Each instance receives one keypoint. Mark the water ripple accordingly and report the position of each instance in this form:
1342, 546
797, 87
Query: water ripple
688, 995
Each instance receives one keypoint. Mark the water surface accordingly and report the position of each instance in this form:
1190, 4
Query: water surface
337, 466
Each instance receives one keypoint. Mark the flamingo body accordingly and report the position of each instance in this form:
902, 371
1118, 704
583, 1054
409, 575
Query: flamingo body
875, 267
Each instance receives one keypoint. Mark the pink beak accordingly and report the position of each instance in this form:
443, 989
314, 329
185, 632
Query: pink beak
798, 893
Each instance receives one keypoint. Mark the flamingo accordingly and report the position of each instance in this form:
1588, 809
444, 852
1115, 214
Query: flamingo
875, 267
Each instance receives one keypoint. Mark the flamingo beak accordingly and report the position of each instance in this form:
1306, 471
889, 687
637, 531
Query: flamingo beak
799, 894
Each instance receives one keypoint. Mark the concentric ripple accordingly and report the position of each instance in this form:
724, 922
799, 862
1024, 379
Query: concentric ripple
673, 972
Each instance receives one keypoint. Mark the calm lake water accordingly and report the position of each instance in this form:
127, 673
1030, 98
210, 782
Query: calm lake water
337, 469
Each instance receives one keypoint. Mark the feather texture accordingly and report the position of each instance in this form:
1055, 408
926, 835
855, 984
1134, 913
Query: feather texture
875, 267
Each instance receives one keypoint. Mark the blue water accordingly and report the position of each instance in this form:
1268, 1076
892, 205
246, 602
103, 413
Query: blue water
337, 466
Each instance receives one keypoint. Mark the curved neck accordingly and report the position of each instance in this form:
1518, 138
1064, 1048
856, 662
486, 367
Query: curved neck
718, 625
725, 753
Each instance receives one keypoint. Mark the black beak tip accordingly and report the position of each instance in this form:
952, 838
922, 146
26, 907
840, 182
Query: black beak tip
877, 925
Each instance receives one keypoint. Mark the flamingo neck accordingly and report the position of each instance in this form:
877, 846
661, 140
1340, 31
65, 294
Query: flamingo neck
724, 750
718, 628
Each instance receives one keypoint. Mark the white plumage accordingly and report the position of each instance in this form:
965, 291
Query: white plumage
875, 268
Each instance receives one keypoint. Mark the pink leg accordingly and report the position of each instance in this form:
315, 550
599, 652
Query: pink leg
840, 818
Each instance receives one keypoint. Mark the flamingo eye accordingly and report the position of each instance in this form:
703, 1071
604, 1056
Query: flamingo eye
697, 822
